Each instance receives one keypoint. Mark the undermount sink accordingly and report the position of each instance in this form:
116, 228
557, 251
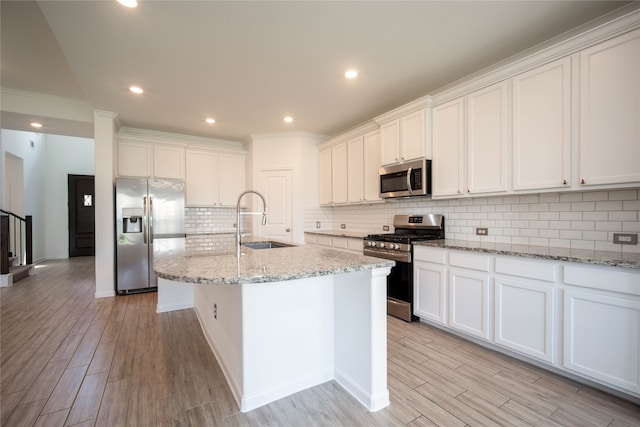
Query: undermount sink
267, 245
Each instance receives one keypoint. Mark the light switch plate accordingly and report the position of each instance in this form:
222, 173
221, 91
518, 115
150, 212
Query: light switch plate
343, 225
625, 238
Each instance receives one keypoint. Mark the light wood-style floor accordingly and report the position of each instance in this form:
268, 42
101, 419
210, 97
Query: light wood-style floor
69, 359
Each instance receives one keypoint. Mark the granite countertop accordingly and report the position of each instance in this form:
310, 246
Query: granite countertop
339, 233
262, 265
585, 256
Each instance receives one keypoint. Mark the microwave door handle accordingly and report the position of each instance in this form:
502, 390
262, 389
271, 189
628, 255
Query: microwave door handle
409, 181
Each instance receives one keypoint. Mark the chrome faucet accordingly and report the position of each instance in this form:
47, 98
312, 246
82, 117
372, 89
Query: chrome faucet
238, 213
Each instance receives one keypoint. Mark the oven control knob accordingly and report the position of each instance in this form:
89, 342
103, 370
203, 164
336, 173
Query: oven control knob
395, 246
382, 245
372, 243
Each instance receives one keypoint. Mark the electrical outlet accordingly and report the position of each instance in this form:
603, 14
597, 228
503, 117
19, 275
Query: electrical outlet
343, 226
482, 231
625, 238
385, 228
317, 224
215, 310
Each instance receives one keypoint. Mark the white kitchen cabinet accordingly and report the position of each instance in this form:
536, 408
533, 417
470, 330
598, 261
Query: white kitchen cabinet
448, 148
610, 111
214, 179
168, 161
231, 178
355, 170
339, 174
469, 283
430, 291
602, 337
486, 140
404, 138
324, 179
371, 177
541, 105
134, 159
524, 317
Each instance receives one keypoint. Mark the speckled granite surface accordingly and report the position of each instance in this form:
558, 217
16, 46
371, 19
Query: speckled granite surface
262, 265
338, 233
606, 258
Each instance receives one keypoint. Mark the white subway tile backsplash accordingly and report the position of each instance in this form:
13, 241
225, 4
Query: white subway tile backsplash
578, 220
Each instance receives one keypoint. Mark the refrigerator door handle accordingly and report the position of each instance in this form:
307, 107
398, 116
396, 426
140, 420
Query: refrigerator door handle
144, 219
150, 220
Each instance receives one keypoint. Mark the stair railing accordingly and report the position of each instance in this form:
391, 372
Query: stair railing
16, 239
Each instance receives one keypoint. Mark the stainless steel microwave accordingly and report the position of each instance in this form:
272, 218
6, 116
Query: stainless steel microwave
406, 179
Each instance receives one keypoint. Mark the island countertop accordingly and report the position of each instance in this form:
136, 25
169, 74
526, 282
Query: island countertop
262, 265
585, 256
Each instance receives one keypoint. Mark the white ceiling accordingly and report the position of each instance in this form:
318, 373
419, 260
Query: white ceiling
248, 64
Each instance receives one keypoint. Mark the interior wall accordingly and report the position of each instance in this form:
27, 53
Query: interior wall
65, 155
298, 152
29, 147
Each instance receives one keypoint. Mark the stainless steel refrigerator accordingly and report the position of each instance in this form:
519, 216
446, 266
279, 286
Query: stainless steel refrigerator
149, 222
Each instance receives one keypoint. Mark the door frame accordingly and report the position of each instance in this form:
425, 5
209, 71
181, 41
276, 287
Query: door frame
71, 212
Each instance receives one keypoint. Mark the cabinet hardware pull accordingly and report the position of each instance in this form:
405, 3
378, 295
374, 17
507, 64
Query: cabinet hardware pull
564, 182
582, 181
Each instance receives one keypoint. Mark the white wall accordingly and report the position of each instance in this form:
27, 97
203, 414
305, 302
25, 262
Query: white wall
46, 166
296, 151
19, 144
65, 155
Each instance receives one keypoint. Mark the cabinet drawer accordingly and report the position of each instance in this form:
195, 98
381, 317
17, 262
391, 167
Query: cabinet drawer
525, 268
424, 253
324, 240
608, 279
471, 261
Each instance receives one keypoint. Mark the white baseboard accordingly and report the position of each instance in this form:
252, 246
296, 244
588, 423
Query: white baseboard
105, 294
372, 402
6, 280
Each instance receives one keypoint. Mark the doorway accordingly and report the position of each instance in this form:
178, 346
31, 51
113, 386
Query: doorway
81, 215
276, 187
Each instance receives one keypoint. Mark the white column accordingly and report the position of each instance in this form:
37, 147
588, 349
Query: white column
104, 130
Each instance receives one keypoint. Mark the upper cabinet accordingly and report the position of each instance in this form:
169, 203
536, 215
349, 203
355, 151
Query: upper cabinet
470, 144
610, 112
214, 178
149, 160
348, 168
404, 138
541, 103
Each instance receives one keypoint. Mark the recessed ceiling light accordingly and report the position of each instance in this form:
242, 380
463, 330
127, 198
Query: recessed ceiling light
136, 89
36, 124
128, 3
288, 119
351, 74
210, 120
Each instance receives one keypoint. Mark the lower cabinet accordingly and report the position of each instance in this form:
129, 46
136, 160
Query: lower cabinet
469, 302
524, 316
584, 320
430, 291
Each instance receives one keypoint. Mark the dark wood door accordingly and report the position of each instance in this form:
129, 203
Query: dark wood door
81, 216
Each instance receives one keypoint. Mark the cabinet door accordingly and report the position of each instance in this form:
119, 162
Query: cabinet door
201, 178
371, 166
542, 127
390, 137
231, 179
487, 140
412, 136
324, 184
469, 302
448, 138
355, 170
339, 173
168, 162
602, 337
609, 111
134, 159
524, 317
430, 291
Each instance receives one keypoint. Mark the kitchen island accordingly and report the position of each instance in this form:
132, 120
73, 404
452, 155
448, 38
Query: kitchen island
285, 319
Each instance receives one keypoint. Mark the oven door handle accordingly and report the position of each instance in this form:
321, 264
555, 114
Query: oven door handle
409, 181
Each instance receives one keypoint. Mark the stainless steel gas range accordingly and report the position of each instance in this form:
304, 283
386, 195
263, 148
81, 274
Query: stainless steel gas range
398, 246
